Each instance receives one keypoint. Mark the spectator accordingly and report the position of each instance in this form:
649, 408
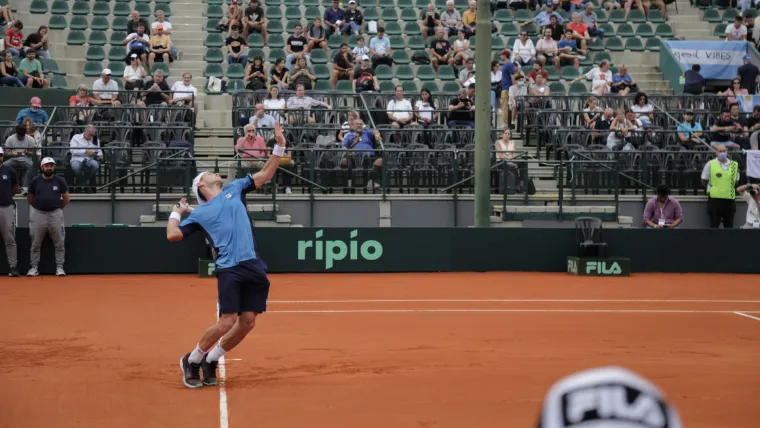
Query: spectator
48, 195
506, 152
523, 51
296, 45
105, 90
303, 104
592, 112
722, 131
14, 39
38, 42
6, 14
539, 88
579, 31
508, 73
645, 6
184, 93
518, 4
254, 22
468, 19
466, 73
611, 4
589, 19
663, 211
753, 126
19, 151
558, 31
461, 110
517, 94
261, 119
32, 132
343, 66
348, 125
542, 18
255, 76
135, 21
156, 91
362, 139
235, 44
461, 48
286, 162
538, 69
750, 193
399, 110
734, 91
440, 50
8, 71
301, 75
160, 47
602, 124
748, 74
450, 18
31, 70
624, 124
8, 188
753, 32
546, 49
622, 84
134, 74
719, 176
495, 84
693, 81
334, 18
689, 131
137, 43
360, 50
279, 74
353, 20
34, 111
600, 77
380, 48
424, 109
364, 77
737, 31
85, 156
317, 36
643, 109
740, 137
274, 104
431, 20
234, 17
250, 147
81, 98
569, 54
166, 28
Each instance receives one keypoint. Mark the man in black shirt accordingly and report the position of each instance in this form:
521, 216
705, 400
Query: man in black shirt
235, 45
253, 21
295, 46
461, 111
430, 21
722, 129
440, 51
748, 75
134, 22
558, 31
601, 124
48, 195
354, 19
753, 127
8, 188
342, 65
153, 94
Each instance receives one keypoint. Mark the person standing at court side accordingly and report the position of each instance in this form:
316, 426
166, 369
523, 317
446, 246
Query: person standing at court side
8, 188
242, 283
720, 176
48, 196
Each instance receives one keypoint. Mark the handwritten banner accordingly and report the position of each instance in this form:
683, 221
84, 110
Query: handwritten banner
718, 59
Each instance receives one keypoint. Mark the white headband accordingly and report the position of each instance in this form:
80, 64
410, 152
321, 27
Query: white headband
196, 193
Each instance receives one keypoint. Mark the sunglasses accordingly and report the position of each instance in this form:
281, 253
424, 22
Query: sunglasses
736, 83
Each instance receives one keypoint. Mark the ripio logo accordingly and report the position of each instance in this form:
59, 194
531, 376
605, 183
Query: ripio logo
334, 250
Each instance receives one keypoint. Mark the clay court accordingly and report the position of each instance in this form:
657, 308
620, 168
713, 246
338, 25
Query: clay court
373, 350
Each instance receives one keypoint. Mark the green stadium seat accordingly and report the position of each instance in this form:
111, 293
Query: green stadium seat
569, 73
404, 72
59, 82
276, 41
117, 53
117, 68
383, 72
214, 55
752, 12
276, 53
117, 37
729, 15
617, 16
625, 30
609, 30
38, 7
321, 72
309, 3
214, 40
712, 16
601, 56
416, 43
400, 57
655, 16
397, 42
504, 15
235, 71
497, 44
253, 53
234, 85
389, 14
585, 62
255, 40
411, 28
145, 10
597, 44
664, 31
552, 72
509, 29
450, 87
410, 87
405, 4
213, 70
120, 23
291, 25
219, 2
318, 56
531, 28
409, 15
636, 16
293, 13
214, 11
446, 72
58, 22
50, 66
92, 69
95, 53
719, 31
431, 86
644, 30
273, 13
462, 4
311, 13
634, 45
523, 15
274, 26
121, 9
371, 14
165, 7
83, 225
557, 88
614, 44
601, 17
80, 8
101, 9
334, 41
292, 3
79, 22
425, 73
393, 29
100, 23
211, 25
578, 88
652, 44
59, 7
75, 38
322, 86
344, 86
160, 66
387, 86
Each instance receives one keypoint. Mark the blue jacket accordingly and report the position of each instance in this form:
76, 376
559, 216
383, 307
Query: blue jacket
39, 116
333, 15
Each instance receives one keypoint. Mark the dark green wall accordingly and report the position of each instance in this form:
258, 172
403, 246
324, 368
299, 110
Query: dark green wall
145, 250
13, 98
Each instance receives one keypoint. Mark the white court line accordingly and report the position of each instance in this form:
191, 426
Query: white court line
612, 311
748, 316
514, 301
224, 418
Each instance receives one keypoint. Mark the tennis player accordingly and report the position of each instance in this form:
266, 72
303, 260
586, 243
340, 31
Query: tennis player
242, 283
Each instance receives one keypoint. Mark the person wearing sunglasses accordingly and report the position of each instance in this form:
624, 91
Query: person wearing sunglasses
734, 91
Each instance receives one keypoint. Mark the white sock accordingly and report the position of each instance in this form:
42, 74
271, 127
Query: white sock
197, 355
216, 353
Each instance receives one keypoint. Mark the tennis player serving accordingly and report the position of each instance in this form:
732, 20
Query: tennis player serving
242, 283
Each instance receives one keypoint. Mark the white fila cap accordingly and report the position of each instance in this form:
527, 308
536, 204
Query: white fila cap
197, 180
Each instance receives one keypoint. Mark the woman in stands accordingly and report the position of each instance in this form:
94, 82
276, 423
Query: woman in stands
539, 89
734, 91
8, 71
255, 75
39, 42
424, 109
280, 76
134, 74
301, 75
273, 103
622, 84
32, 132
642, 109
592, 112
461, 48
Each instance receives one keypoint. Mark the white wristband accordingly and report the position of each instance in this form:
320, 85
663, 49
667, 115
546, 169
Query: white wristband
175, 216
278, 151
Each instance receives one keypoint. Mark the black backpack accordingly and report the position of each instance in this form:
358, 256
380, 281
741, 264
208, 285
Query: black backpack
420, 58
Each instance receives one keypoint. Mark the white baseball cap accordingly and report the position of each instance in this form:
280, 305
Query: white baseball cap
106, 72
47, 160
197, 180
1, 150
365, 58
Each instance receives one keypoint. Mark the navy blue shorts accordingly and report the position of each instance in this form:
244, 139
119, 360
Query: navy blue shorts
243, 288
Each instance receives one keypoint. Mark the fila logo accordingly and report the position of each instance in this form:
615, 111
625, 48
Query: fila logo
5, 177
55, 188
228, 196
611, 402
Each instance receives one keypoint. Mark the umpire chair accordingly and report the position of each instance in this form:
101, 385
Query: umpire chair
590, 238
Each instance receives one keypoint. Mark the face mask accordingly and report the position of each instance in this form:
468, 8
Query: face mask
520, 83
48, 173
35, 108
723, 156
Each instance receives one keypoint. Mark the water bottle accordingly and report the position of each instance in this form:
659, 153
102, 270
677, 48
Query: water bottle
151, 117
236, 83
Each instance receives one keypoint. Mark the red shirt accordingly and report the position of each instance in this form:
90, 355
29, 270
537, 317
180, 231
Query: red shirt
16, 38
532, 75
579, 27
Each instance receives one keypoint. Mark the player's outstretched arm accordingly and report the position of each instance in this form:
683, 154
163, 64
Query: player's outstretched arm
267, 172
173, 231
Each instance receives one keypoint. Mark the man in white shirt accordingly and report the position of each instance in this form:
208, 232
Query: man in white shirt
84, 156
399, 110
183, 92
737, 31
167, 31
600, 77
105, 90
138, 43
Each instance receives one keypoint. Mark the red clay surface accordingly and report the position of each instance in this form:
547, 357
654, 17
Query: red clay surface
103, 351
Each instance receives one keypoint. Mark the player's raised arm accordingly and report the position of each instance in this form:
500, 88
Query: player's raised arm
267, 172
173, 231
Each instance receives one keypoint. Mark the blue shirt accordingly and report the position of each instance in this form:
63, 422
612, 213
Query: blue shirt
693, 78
380, 46
225, 221
616, 78
333, 15
542, 19
367, 140
686, 129
47, 192
507, 70
564, 43
39, 116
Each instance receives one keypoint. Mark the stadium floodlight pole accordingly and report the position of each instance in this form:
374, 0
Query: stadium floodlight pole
483, 114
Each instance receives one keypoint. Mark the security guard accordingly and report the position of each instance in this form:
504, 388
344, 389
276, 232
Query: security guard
8, 188
720, 177
48, 196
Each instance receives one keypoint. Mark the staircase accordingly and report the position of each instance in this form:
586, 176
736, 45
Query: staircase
688, 23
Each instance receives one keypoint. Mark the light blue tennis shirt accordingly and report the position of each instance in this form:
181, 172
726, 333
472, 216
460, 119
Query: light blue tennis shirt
225, 221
